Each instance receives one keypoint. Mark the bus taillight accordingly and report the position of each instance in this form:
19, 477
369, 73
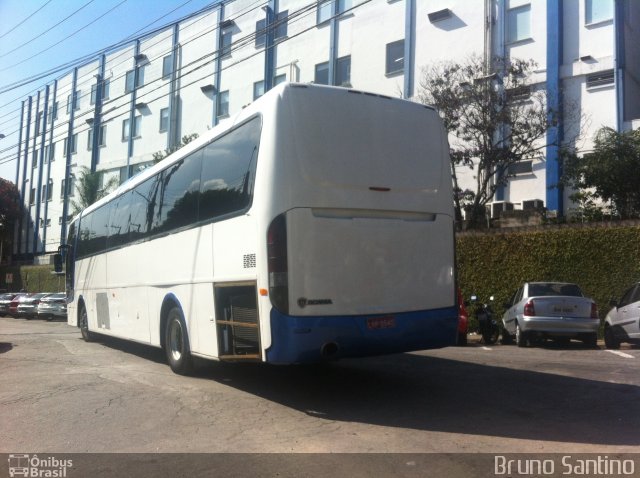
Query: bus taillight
278, 266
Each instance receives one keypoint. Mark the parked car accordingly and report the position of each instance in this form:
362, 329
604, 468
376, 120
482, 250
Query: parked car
5, 300
622, 323
13, 305
53, 305
28, 305
558, 310
463, 320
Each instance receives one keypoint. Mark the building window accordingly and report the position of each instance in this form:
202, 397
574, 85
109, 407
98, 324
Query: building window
47, 191
223, 103
54, 111
164, 120
39, 122
280, 24
49, 152
321, 76
105, 92
258, 89
76, 101
226, 38
343, 71
101, 138
395, 57
70, 186
167, 66
325, 9
94, 94
519, 24
130, 79
603, 78
520, 167
32, 197
137, 126
597, 11
280, 79
72, 146
126, 127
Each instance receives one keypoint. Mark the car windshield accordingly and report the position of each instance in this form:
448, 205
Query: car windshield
544, 289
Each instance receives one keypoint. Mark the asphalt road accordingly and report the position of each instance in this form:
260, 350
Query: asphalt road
59, 394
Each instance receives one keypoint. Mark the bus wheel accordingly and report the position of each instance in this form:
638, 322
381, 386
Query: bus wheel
83, 323
177, 343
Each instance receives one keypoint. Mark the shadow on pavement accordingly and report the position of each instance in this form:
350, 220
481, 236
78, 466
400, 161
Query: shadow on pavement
437, 394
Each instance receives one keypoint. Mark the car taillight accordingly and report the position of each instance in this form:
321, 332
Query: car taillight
594, 311
529, 309
278, 265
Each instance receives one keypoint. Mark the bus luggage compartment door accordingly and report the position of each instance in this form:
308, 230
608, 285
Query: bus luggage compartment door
237, 322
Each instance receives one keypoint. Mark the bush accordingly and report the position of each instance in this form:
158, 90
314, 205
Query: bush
32, 279
603, 261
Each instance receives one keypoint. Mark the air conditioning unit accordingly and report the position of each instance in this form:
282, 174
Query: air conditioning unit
530, 204
498, 207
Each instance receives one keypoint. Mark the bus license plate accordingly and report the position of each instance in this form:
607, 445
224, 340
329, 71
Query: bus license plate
387, 322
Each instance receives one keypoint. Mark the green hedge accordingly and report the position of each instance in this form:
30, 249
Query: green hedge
31, 279
603, 261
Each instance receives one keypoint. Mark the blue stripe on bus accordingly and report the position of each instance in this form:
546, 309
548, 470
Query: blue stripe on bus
300, 339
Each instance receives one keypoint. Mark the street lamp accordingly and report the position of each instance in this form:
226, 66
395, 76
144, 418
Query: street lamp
2, 136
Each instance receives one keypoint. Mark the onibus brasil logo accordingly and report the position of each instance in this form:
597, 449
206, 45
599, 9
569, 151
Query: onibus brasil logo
32, 466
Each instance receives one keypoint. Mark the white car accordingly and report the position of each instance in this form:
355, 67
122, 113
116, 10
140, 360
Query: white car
622, 323
557, 310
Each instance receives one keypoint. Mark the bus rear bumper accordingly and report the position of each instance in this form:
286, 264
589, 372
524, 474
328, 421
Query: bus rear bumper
316, 339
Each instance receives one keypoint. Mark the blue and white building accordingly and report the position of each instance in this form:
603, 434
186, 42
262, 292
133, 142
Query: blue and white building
113, 112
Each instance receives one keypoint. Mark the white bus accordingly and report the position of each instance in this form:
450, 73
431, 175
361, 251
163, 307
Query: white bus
315, 224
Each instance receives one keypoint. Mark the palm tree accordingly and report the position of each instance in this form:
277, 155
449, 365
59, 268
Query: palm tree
88, 189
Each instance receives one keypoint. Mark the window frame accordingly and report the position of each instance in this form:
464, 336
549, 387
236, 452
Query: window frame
511, 12
164, 118
219, 112
588, 12
388, 58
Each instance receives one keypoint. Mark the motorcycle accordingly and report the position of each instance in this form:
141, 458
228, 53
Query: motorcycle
487, 325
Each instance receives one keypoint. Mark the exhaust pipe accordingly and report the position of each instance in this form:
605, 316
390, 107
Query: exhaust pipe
329, 349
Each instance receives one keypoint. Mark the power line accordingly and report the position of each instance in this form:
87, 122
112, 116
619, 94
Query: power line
249, 9
30, 16
65, 38
81, 60
238, 44
46, 31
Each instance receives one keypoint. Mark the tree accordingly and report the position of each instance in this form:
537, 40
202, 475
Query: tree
610, 173
10, 209
89, 189
494, 120
160, 155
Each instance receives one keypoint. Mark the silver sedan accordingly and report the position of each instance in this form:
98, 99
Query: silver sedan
556, 310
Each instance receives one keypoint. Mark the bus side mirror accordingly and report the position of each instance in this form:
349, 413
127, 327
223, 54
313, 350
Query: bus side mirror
57, 263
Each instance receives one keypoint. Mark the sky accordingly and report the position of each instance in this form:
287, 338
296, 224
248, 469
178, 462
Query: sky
33, 40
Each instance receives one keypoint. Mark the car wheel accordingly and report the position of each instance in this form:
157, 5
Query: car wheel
521, 338
83, 323
177, 343
591, 340
610, 340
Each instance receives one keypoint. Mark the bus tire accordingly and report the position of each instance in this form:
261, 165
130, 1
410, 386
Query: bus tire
83, 324
177, 343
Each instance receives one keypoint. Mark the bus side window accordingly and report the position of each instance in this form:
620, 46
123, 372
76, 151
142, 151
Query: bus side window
143, 204
119, 221
180, 188
228, 171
